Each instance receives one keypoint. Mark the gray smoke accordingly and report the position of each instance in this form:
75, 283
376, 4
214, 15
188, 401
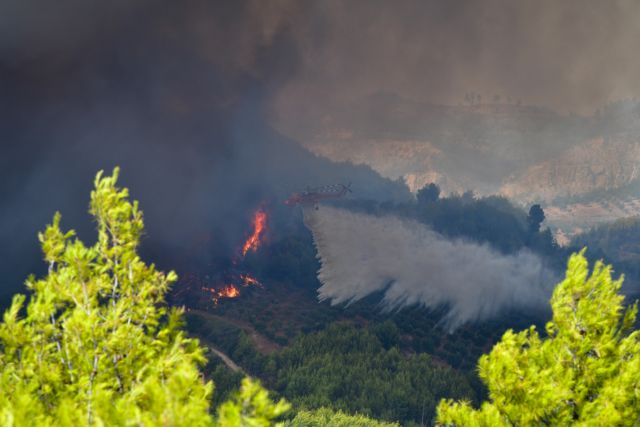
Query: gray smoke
174, 93
185, 96
362, 254
542, 51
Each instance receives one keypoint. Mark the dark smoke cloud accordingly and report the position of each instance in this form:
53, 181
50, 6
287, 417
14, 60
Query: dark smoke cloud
182, 94
175, 93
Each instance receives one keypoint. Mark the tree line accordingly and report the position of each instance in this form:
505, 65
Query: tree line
96, 344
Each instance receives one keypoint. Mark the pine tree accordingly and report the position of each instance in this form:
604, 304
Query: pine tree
326, 417
586, 371
96, 344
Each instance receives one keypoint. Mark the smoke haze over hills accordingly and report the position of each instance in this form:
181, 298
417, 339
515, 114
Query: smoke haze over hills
225, 116
185, 96
175, 95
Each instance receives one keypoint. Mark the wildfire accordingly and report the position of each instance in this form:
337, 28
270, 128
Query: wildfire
228, 291
228, 284
248, 280
259, 227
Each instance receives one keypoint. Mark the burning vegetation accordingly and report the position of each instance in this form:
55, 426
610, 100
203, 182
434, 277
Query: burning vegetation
227, 283
228, 291
259, 227
231, 289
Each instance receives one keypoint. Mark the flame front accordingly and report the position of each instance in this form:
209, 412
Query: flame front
231, 290
229, 284
228, 291
248, 280
259, 227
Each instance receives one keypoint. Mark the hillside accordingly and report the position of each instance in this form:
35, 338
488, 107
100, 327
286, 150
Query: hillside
358, 357
619, 240
458, 147
594, 165
583, 170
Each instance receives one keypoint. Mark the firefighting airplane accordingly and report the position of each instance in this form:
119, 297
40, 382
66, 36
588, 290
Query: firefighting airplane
312, 196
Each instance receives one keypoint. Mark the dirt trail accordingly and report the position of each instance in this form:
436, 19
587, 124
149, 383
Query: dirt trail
263, 344
226, 359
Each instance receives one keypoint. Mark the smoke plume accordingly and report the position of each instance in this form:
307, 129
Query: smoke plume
185, 96
174, 93
362, 254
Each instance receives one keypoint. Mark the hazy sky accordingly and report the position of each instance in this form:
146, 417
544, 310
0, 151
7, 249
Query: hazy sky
572, 55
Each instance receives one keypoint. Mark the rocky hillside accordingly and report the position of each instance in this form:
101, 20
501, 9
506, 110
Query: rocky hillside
414, 161
573, 219
600, 164
584, 170
458, 147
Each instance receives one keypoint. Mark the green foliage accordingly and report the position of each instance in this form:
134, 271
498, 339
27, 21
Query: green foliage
616, 242
493, 220
348, 368
387, 333
585, 372
325, 417
535, 218
96, 345
619, 240
428, 193
226, 380
488, 220
250, 407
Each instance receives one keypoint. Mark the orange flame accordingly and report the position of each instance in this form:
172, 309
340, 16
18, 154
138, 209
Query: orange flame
259, 227
234, 280
229, 291
248, 280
